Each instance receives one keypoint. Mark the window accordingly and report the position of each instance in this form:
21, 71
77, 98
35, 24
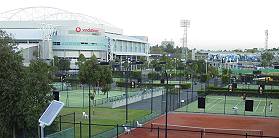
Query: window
84, 43
33, 42
56, 43
21, 41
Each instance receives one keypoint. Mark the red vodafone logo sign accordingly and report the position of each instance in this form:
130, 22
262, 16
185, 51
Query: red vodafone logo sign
78, 29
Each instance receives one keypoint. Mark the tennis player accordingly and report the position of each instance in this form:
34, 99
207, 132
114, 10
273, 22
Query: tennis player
270, 107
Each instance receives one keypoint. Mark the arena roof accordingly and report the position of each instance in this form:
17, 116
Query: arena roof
49, 14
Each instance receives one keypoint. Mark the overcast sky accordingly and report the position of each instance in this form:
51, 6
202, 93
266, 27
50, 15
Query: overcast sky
215, 24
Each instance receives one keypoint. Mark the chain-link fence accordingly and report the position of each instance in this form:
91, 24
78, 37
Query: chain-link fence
67, 133
68, 127
235, 102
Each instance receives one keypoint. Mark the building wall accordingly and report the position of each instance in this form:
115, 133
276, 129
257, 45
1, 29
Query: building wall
60, 38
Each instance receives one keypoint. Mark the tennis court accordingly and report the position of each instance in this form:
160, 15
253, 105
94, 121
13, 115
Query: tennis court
235, 105
207, 126
79, 97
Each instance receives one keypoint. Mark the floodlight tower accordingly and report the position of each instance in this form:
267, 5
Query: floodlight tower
266, 39
185, 24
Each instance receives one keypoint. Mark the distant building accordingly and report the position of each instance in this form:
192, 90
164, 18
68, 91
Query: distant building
201, 55
229, 59
55, 32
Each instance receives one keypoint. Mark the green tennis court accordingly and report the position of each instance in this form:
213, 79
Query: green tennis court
79, 97
225, 105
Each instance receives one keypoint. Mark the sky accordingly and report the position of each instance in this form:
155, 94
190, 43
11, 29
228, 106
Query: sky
214, 24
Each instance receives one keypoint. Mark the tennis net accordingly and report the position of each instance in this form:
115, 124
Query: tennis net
234, 100
209, 131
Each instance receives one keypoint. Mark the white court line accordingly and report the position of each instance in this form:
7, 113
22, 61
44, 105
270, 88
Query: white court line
216, 104
264, 108
237, 103
212, 103
258, 105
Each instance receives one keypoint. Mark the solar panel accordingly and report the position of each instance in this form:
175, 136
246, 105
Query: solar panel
51, 112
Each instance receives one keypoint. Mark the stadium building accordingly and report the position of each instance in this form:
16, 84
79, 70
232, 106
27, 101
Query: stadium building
46, 32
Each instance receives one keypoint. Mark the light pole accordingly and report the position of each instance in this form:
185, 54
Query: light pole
89, 100
207, 83
166, 125
126, 90
89, 103
166, 106
151, 102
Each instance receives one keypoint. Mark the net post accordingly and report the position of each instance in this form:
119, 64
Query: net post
80, 129
60, 123
246, 135
201, 132
74, 123
151, 127
117, 130
158, 132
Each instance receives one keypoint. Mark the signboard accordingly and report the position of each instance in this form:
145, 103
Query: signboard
79, 29
51, 112
85, 31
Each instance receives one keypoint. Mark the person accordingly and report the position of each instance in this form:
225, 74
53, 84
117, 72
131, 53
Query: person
235, 109
270, 107
244, 96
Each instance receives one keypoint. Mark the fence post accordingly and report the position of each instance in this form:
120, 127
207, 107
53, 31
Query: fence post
117, 130
60, 123
158, 132
74, 123
201, 133
265, 105
80, 129
151, 127
246, 135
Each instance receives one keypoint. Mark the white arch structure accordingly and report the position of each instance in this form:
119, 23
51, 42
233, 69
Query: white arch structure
49, 14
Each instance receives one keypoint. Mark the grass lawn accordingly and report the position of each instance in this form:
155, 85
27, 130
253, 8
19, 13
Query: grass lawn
101, 116
217, 104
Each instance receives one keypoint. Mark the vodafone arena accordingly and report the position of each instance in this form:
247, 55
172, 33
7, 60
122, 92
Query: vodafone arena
52, 32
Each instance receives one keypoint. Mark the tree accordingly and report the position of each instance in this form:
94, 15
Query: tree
212, 71
24, 91
170, 49
36, 95
145, 64
266, 58
169, 62
64, 64
90, 72
11, 84
226, 74
105, 79
80, 61
156, 50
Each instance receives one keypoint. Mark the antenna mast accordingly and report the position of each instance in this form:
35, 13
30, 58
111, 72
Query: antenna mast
266, 39
185, 24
